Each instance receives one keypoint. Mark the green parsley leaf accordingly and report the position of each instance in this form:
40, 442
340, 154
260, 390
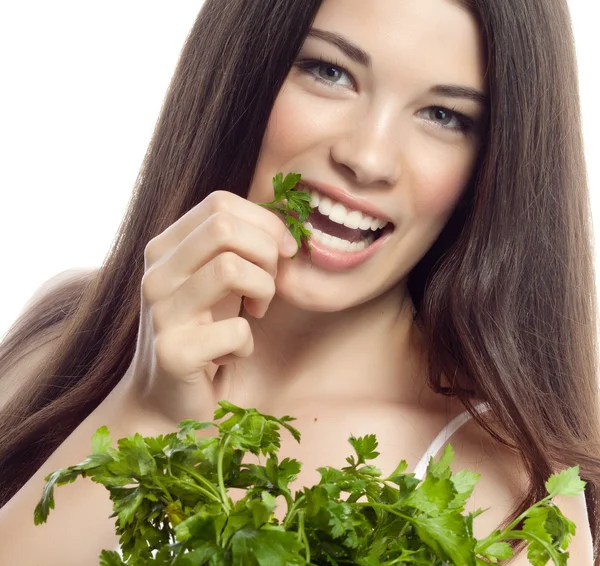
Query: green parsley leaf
499, 551
293, 204
566, 483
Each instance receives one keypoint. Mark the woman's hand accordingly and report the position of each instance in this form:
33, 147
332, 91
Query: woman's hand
225, 247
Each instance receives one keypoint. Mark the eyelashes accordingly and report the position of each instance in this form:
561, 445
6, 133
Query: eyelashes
308, 65
312, 67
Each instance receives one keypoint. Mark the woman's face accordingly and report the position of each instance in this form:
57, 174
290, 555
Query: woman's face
382, 105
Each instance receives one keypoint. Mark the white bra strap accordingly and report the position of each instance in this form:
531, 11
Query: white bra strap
443, 437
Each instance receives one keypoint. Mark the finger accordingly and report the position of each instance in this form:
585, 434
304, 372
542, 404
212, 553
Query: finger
225, 274
184, 352
216, 202
221, 233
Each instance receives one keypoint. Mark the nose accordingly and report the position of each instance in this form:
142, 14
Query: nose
369, 149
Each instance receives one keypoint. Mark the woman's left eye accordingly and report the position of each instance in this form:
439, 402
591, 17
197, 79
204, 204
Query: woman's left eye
448, 119
326, 72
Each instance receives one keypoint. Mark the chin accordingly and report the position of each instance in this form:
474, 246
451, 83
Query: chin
314, 290
316, 300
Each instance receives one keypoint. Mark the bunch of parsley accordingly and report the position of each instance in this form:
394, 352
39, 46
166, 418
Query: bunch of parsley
172, 508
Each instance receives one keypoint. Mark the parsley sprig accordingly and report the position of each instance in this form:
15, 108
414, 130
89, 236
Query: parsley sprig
293, 204
172, 506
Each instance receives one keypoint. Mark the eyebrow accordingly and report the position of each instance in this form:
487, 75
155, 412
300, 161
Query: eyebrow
353, 51
360, 56
455, 91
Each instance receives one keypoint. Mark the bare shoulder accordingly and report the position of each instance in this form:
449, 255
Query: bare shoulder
57, 281
21, 368
501, 486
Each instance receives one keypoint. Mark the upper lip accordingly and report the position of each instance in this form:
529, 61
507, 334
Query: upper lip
346, 199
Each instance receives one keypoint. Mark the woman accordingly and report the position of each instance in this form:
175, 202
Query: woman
455, 128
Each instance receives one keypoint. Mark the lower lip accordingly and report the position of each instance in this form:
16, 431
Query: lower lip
336, 260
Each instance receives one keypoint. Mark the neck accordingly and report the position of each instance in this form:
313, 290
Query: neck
370, 353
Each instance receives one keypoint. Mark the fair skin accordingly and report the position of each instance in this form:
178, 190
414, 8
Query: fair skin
338, 350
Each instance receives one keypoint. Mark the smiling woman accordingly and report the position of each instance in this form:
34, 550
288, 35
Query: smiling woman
449, 287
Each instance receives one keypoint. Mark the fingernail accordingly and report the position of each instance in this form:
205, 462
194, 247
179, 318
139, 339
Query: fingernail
290, 246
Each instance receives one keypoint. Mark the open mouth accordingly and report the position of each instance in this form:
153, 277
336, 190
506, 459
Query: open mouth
325, 224
336, 226
340, 237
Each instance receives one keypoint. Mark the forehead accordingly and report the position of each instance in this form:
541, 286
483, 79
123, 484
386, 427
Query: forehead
437, 40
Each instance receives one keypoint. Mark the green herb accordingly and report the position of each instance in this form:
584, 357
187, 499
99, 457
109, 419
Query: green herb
172, 508
294, 204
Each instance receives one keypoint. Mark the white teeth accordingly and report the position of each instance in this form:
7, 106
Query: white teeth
337, 243
338, 213
353, 219
325, 206
376, 224
315, 198
365, 223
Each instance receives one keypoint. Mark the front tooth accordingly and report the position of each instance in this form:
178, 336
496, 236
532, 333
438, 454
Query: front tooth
338, 213
353, 219
365, 223
314, 199
325, 206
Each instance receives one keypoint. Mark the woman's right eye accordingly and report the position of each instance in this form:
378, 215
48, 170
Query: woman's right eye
327, 72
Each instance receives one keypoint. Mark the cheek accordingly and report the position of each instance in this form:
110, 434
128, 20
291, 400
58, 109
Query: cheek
284, 138
439, 179
294, 129
297, 124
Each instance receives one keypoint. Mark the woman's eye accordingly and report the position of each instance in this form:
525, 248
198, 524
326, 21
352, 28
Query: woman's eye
448, 119
326, 72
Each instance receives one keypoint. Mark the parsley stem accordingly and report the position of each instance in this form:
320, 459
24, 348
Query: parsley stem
521, 535
224, 497
163, 489
212, 494
302, 535
271, 206
387, 508
489, 540
291, 512
288, 498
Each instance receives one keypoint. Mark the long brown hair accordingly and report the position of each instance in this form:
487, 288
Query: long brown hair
505, 296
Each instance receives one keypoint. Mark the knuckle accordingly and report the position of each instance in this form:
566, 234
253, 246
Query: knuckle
165, 350
218, 201
148, 287
227, 268
270, 287
151, 251
221, 227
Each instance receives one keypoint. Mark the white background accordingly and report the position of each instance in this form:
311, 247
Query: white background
82, 85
